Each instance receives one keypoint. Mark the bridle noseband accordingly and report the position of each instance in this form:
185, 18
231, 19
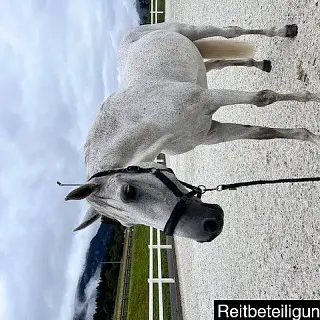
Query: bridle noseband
180, 207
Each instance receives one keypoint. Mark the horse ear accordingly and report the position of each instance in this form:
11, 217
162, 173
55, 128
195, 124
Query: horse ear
91, 216
82, 192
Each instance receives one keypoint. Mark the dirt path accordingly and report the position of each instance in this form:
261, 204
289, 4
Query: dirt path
270, 247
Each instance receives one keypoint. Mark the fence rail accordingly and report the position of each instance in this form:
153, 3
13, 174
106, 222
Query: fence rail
159, 280
127, 268
154, 11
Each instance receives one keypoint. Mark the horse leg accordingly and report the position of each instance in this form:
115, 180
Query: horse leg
199, 32
213, 64
224, 132
213, 99
289, 31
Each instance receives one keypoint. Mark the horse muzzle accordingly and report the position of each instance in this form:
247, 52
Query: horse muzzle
211, 226
200, 221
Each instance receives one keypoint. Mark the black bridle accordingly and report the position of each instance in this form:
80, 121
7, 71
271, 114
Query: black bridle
180, 207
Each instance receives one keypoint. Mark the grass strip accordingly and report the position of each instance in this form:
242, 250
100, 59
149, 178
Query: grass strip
138, 299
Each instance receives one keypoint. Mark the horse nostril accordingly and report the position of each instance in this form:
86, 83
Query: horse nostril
211, 225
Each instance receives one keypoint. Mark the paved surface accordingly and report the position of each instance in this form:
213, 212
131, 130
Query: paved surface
270, 247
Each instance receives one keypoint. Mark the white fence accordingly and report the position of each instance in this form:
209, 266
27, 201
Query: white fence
158, 246
159, 280
154, 11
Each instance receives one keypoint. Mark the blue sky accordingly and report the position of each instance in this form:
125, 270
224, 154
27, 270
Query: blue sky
58, 64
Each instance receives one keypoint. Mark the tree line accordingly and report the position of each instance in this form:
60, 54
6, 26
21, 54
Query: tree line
107, 287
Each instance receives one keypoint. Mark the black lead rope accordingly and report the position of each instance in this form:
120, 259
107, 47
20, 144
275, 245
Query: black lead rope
180, 207
233, 186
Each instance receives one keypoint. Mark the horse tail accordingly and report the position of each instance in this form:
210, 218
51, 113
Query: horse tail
224, 49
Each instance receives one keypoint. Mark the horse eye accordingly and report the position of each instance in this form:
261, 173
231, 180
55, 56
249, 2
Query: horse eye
129, 193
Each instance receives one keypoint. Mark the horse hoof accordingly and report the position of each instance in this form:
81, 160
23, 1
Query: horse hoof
291, 30
266, 66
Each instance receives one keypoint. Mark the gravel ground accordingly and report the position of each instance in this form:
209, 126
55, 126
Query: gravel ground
270, 246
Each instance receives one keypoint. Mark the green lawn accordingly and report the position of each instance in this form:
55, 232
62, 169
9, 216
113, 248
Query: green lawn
138, 299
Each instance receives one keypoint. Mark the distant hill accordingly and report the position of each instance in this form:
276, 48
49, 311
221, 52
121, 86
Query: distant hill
94, 257
143, 9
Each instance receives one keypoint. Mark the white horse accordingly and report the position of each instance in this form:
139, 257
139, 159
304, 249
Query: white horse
164, 105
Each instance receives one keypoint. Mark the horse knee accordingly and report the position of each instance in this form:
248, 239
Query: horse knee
264, 97
233, 31
304, 134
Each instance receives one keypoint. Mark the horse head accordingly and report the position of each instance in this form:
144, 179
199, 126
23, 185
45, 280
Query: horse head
151, 195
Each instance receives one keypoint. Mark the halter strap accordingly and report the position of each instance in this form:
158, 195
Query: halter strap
130, 169
175, 217
179, 208
169, 184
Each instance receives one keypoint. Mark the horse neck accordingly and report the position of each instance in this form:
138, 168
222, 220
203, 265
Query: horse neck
122, 150
123, 133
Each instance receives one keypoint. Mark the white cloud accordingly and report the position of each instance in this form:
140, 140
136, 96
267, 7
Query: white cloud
2, 301
58, 63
